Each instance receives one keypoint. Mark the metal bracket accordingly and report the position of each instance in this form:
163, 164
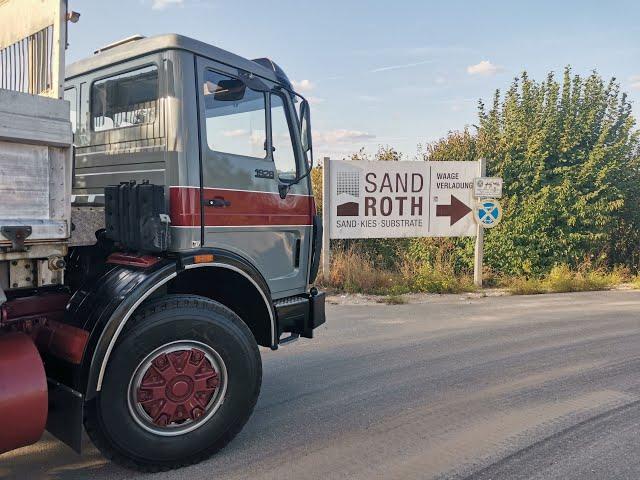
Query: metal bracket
290, 339
17, 235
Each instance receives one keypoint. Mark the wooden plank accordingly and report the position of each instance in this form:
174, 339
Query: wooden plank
35, 120
24, 181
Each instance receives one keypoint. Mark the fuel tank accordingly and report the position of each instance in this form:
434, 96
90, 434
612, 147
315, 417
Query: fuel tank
23, 392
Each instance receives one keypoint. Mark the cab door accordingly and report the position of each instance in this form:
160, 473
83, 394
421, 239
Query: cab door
248, 147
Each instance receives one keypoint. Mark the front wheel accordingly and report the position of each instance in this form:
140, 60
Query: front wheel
181, 383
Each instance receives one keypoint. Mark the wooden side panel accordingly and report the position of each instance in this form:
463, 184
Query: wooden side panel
24, 181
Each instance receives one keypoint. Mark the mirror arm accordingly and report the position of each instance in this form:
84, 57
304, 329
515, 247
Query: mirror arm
283, 189
309, 168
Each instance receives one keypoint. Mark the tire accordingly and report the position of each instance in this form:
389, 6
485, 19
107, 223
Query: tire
181, 331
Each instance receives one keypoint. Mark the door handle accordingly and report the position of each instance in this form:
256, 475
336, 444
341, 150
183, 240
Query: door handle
218, 202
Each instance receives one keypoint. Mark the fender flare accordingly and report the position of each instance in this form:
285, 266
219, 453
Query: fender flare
128, 288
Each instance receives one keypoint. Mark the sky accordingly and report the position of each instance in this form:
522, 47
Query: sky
397, 73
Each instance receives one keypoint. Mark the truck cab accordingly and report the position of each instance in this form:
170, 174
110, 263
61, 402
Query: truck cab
220, 133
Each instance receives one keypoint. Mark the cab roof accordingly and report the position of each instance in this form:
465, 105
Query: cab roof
140, 46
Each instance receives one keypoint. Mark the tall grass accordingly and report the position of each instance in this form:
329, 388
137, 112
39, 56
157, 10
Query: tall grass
438, 276
562, 279
353, 271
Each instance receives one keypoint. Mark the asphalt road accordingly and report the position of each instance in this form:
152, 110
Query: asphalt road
540, 387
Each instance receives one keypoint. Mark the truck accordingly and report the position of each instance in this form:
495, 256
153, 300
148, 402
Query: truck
157, 225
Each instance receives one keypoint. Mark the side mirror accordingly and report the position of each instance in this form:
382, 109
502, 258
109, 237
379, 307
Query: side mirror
305, 126
306, 142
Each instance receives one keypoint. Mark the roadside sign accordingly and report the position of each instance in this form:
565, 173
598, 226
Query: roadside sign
488, 212
401, 199
487, 187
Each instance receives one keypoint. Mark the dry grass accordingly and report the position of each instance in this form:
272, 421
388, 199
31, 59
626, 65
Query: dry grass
354, 272
434, 278
563, 279
523, 286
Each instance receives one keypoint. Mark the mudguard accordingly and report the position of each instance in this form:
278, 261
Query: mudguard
104, 306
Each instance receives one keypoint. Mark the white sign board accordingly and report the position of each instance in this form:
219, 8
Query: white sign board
401, 199
487, 187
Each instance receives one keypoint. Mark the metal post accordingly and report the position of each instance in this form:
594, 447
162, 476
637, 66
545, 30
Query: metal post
59, 47
326, 218
479, 253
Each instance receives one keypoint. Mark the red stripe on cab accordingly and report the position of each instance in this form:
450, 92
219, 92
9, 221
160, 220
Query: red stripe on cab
242, 208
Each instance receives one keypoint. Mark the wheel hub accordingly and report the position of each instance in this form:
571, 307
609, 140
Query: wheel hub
179, 389
175, 386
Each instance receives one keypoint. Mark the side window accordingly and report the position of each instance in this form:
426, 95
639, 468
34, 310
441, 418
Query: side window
234, 116
283, 153
125, 100
71, 96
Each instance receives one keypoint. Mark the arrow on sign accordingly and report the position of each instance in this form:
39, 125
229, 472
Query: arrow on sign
455, 211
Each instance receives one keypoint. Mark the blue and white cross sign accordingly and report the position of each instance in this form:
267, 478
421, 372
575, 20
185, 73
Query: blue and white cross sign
488, 212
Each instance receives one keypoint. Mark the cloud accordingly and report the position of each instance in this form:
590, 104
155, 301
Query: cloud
256, 137
402, 65
315, 100
235, 133
303, 85
485, 67
635, 82
162, 4
330, 137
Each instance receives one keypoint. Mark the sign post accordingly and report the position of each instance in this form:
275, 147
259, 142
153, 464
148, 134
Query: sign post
479, 250
326, 218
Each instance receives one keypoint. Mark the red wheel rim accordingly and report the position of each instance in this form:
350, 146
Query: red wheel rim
177, 387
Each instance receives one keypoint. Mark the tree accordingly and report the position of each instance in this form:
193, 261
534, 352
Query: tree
385, 153
460, 146
568, 154
570, 160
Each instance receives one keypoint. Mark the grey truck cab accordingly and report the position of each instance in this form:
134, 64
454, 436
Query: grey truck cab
221, 133
195, 239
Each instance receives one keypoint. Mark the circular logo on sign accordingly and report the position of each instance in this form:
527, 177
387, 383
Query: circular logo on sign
488, 212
